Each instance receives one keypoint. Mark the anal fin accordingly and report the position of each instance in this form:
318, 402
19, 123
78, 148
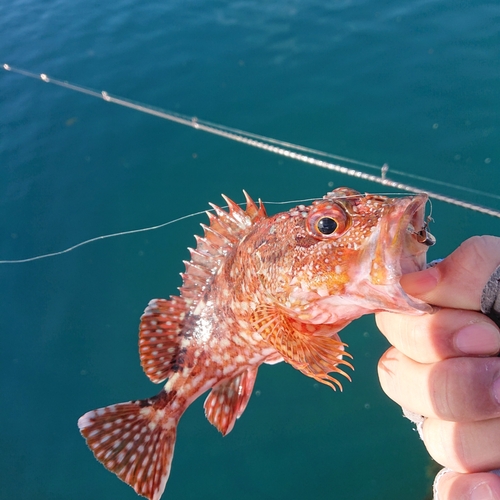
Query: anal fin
135, 441
312, 349
228, 400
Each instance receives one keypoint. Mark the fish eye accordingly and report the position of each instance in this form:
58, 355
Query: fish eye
327, 225
327, 220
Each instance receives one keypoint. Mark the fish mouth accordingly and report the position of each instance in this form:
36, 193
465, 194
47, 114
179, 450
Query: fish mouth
401, 248
414, 238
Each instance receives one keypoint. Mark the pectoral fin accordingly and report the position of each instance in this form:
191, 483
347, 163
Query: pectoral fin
310, 348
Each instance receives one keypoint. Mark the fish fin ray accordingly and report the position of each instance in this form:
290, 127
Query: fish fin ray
135, 441
226, 230
228, 400
159, 337
308, 348
254, 211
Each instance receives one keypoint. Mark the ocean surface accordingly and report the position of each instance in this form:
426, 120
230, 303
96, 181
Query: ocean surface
414, 84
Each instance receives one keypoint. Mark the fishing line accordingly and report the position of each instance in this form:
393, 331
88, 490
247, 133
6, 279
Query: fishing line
152, 228
275, 146
258, 141
106, 236
135, 231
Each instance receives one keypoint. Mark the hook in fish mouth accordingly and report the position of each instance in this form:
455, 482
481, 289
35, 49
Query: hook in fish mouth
423, 235
415, 238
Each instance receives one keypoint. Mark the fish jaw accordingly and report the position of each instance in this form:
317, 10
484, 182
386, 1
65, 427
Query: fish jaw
398, 246
399, 249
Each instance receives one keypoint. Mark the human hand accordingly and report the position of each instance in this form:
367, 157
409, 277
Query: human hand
445, 366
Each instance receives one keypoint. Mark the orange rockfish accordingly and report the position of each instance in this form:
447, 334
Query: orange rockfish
259, 289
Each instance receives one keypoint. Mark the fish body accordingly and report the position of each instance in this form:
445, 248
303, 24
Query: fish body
259, 289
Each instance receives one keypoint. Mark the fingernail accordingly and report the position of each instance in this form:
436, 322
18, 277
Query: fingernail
479, 339
421, 281
482, 492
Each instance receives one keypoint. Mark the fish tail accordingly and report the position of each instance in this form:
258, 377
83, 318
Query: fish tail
135, 441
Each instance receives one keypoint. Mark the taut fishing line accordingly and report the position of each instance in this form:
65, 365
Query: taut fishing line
134, 231
287, 149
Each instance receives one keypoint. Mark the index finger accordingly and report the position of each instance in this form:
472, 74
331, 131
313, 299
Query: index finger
448, 333
458, 280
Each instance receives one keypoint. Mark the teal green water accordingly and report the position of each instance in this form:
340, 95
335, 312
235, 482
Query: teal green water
414, 84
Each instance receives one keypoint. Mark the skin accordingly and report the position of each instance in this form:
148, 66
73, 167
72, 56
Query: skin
445, 366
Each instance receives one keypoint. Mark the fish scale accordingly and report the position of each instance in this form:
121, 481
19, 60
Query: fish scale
259, 289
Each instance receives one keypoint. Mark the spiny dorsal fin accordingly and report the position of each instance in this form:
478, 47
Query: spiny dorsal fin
306, 347
163, 320
135, 440
226, 402
226, 230
159, 337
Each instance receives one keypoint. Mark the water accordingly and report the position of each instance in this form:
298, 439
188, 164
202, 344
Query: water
413, 84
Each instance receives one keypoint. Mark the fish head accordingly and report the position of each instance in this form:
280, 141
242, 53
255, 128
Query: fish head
344, 255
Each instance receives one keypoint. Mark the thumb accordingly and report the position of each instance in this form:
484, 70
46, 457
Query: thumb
458, 280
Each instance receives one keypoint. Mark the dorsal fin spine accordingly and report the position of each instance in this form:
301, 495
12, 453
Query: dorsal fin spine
193, 283
198, 256
221, 214
213, 235
237, 213
229, 224
206, 247
234, 208
252, 209
225, 231
198, 270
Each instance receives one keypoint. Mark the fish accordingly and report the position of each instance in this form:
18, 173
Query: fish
259, 289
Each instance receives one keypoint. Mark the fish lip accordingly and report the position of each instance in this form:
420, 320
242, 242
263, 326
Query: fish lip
413, 239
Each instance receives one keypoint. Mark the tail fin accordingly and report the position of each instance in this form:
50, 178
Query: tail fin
134, 440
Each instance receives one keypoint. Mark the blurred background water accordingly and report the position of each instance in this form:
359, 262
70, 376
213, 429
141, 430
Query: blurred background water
415, 84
